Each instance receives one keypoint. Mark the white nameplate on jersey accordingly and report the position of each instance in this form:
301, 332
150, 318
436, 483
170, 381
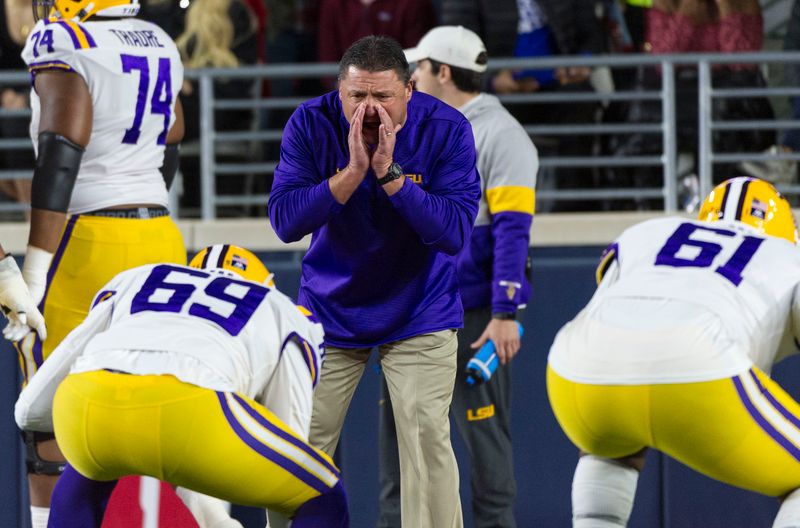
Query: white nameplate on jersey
141, 38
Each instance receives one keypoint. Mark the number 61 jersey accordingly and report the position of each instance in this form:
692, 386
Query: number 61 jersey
134, 73
683, 300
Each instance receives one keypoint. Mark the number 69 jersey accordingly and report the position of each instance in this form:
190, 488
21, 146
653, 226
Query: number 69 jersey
681, 301
134, 73
209, 328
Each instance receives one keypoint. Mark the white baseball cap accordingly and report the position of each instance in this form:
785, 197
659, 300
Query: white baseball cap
453, 45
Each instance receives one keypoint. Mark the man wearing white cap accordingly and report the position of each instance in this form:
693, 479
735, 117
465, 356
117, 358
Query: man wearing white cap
451, 61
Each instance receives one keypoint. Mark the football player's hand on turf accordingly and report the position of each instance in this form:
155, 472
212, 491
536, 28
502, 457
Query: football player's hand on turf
18, 304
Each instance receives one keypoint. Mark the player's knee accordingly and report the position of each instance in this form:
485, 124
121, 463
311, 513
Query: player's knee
432, 429
34, 462
328, 510
789, 514
602, 493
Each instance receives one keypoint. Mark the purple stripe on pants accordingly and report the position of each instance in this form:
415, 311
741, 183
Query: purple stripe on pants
775, 403
763, 423
59, 254
270, 454
277, 431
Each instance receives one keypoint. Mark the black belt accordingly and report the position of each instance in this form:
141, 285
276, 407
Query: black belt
134, 212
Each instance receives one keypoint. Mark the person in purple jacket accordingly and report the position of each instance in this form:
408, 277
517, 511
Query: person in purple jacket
386, 181
451, 64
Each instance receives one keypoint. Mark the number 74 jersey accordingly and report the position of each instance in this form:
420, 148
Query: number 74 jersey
133, 71
682, 300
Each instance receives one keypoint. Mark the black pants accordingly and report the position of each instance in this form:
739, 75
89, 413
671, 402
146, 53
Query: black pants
482, 414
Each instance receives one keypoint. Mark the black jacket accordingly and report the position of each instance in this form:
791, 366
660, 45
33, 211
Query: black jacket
495, 21
575, 26
573, 22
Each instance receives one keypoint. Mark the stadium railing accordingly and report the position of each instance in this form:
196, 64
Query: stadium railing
215, 166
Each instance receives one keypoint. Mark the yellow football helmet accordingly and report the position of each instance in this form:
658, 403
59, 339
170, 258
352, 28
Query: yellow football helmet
235, 259
753, 202
83, 9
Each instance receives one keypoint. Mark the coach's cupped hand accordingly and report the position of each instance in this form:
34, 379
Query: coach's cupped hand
387, 137
359, 152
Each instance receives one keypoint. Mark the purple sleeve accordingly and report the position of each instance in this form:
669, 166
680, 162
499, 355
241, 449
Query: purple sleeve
511, 233
301, 200
444, 214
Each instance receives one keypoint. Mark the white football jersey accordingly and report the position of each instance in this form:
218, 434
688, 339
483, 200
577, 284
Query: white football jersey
681, 301
209, 328
134, 72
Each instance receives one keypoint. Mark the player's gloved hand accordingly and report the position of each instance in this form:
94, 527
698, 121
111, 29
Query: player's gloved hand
18, 304
16, 330
34, 271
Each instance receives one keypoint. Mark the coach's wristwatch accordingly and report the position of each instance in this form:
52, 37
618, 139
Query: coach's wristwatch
395, 172
505, 316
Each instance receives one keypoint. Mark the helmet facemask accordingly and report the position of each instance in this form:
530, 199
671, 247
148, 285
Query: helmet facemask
235, 260
42, 9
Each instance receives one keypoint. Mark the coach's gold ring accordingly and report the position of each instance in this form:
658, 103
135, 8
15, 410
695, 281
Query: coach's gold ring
389, 134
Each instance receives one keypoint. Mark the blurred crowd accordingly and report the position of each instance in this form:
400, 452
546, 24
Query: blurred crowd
229, 33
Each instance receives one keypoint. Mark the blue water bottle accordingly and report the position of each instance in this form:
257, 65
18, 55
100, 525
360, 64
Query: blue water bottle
482, 365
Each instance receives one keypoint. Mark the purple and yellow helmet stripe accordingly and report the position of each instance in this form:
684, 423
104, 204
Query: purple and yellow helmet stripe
753, 202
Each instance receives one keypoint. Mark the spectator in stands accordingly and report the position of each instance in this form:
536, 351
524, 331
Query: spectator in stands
680, 26
494, 21
784, 171
615, 21
168, 14
386, 182
342, 22
557, 27
16, 21
664, 357
791, 42
291, 38
625, 28
218, 34
259, 10
451, 62
554, 27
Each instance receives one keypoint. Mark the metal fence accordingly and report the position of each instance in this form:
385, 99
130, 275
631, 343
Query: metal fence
248, 154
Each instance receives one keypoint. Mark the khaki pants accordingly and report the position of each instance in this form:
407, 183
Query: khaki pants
420, 373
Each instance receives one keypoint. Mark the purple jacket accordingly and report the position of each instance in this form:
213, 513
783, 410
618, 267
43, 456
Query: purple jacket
379, 268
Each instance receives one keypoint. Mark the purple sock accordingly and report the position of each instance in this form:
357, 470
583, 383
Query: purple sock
79, 502
328, 510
